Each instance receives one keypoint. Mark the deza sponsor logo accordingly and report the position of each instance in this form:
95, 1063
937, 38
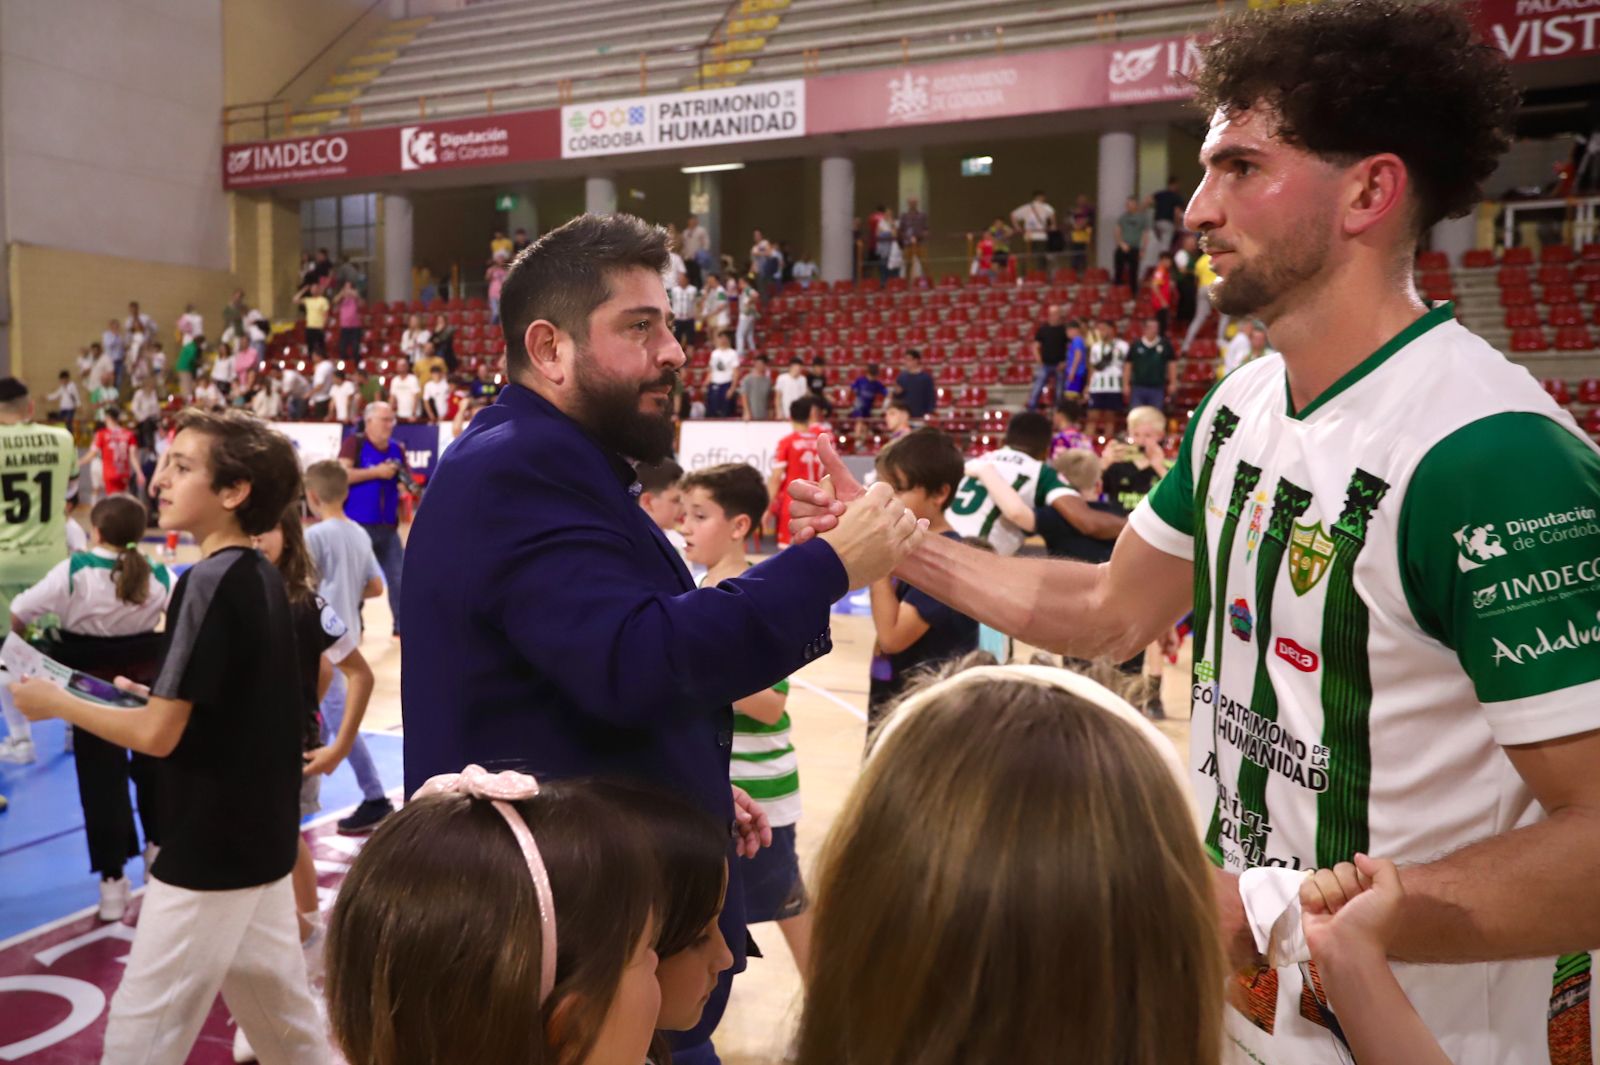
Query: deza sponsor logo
288, 155
1547, 29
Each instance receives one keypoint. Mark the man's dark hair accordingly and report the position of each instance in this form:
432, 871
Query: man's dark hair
736, 487
657, 477
800, 410
914, 355
112, 414
1071, 409
1029, 433
928, 459
1356, 78
246, 449
562, 277
897, 404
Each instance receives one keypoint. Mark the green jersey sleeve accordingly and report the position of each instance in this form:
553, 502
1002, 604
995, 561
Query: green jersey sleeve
1500, 560
1051, 487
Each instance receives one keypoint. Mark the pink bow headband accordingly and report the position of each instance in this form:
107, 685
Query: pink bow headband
502, 789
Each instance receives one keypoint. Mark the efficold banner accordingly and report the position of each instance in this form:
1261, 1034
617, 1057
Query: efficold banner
763, 111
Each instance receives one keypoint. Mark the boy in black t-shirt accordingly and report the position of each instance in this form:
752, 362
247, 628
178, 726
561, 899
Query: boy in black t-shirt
225, 715
913, 628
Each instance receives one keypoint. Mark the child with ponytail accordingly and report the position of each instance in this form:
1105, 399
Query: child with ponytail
107, 602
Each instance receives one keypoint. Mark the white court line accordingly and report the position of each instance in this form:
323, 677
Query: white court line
828, 695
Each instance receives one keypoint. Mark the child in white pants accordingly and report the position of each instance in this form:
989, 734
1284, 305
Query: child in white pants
227, 717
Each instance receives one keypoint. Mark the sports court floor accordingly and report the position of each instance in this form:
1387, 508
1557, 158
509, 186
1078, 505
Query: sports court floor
59, 964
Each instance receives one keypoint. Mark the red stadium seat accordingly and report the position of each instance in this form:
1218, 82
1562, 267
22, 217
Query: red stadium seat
1573, 338
1478, 258
1591, 252
1554, 274
1512, 277
1522, 318
1557, 389
1433, 260
1589, 390
1563, 293
1516, 297
1528, 340
1556, 253
1566, 314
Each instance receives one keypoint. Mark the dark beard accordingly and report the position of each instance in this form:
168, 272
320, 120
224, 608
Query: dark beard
609, 410
1251, 288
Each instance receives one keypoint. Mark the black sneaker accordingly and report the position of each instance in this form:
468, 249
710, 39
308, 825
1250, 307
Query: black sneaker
366, 817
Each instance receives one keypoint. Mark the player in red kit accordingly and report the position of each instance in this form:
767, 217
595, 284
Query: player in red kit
795, 459
118, 449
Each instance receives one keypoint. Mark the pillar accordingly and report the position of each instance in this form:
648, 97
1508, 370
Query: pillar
1155, 162
838, 211
705, 203
525, 215
397, 247
913, 179
1119, 162
600, 194
1455, 236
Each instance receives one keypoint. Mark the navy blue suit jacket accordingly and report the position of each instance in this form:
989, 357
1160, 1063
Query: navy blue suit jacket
550, 627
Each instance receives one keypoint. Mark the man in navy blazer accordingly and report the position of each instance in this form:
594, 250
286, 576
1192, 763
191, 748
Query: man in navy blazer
550, 627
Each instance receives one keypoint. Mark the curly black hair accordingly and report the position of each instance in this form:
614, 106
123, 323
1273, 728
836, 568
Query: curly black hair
1352, 78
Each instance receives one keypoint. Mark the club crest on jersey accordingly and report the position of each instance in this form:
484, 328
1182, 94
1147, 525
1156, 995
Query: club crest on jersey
1239, 619
1310, 553
1478, 544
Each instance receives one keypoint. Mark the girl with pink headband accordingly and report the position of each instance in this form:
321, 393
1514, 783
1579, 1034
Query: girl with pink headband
495, 920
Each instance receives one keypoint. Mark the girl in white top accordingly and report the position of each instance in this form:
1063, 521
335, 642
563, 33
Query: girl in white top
413, 338
714, 307
108, 592
406, 391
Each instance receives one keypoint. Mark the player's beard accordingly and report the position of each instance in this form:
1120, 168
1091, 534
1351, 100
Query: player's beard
609, 410
1265, 280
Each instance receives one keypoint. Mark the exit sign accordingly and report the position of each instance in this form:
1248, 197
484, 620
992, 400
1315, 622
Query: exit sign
506, 201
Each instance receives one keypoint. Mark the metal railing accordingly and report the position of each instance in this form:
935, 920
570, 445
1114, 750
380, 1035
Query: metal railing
1101, 21
1578, 217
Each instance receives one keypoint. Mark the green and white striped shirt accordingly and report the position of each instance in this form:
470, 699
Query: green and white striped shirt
764, 764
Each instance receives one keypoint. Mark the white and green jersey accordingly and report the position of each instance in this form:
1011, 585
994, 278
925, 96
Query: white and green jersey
1106, 362
764, 764
1390, 586
972, 513
37, 462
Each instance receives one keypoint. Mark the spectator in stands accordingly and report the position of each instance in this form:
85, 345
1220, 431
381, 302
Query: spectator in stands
436, 393
266, 401
1166, 212
1107, 354
296, 392
308, 276
321, 268
224, 371
868, 390
207, 396
146, 407
406, 391
1152, 369
519, 241
102, 377
1163, 291
1036, 220
500, 247
685, 300
749, 314
114, 345
805, 270
1131, 227
135, 315
755, 391
770, 281
1183, 276
914, 387
442, 342
190, 324
314, 302
1204, 277
378, 470
1247, 345
760, 249
348, 273
250, 357
1068, 430
64, 400
675, 264
713, 307
791, 386
886, 241
233, 315
342, 398
913, 236
349, 302
486, 386
495, 278
322, 382
1082, 233
188, 364
423, 366
897, 420
370, 388
724, 363
1049, 354
696, 245
817, 379
413, 338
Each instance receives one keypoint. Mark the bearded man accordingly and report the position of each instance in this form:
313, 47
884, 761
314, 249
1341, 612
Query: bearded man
550, 626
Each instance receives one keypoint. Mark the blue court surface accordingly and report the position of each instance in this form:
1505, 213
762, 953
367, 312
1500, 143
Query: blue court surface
44, 861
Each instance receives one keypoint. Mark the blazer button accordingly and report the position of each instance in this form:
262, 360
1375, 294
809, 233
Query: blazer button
724, 737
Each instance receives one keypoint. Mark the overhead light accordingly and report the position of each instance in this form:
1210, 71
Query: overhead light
710, 168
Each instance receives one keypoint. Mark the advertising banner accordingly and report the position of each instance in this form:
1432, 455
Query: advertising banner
1541, 29
313, 441
486, 140
757, 112
712, 443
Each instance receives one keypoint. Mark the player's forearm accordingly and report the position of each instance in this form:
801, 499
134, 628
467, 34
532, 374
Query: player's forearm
1463, 908
1054, 604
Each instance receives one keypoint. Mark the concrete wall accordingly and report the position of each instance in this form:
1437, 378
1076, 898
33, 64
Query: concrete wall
268, 41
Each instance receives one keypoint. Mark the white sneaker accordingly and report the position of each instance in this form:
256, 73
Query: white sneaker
241, 1046
16, 750
114, 898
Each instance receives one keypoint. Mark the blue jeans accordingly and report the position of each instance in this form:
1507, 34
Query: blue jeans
391, 557
1147, 396
360, 758
1042, 374
717, 401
